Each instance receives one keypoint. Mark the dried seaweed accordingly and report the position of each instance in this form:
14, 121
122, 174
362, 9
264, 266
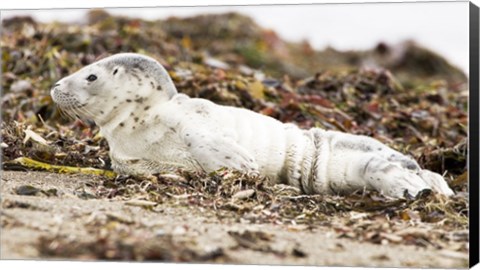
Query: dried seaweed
416, 103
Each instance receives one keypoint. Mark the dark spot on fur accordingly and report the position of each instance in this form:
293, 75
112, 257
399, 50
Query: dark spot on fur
173, 130
134, 74
129, 100
135, 119
137, 96
115, 71
187, 134
159, 88
146, 108
114, 107
227, 157
114, 97
139, 100
215, 149
189, 144
101, 112
122, 124
129, 91
353, 146
388, 168
379, 149
133, 127
142, 122
138, 67
409, 165
152, 84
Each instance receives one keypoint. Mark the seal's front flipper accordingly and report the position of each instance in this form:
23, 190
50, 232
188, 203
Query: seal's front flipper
214, 151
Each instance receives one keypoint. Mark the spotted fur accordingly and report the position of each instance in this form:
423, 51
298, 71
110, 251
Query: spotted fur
151, 128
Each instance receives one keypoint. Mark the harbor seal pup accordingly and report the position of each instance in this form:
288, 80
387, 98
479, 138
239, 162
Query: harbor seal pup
150, 128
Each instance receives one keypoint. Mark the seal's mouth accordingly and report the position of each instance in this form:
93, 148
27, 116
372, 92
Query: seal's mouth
69, 104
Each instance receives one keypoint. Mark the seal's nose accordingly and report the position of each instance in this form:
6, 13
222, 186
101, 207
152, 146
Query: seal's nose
54, 87
52, 91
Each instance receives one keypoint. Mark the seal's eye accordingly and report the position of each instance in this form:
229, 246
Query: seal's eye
91, 78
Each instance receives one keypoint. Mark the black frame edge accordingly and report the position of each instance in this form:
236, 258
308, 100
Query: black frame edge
473, 155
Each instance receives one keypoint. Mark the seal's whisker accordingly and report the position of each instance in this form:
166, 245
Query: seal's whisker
77, 112
85, 112
62, 113
73, 111
66, 113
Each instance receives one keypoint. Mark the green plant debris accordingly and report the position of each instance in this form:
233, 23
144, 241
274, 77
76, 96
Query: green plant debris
30, 164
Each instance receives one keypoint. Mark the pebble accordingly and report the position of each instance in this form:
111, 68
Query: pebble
244, 194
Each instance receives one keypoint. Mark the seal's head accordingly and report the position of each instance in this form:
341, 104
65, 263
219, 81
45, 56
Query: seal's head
98, 91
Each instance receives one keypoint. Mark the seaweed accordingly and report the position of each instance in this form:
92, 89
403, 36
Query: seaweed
416, 103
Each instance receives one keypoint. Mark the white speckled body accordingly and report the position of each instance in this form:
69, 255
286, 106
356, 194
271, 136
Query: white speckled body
151, 128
